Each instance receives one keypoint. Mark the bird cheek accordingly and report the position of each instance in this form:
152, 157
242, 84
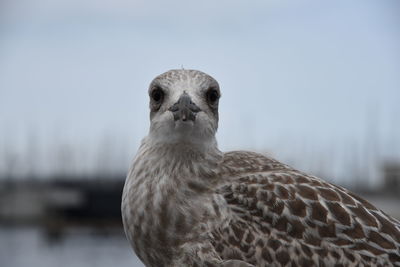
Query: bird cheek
206, 121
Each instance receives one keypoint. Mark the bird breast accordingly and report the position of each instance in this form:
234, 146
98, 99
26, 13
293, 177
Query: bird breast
164, 209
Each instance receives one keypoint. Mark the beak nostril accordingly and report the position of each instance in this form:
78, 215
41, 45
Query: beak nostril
174, 107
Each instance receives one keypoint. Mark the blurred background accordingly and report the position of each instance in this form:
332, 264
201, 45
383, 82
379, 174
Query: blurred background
315, 84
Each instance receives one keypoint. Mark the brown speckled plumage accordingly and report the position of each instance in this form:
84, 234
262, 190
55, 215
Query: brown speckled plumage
185, 203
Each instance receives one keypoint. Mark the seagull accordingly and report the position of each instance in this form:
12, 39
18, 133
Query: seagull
186, 203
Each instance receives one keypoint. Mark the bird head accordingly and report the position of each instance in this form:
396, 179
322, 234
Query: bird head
184, 107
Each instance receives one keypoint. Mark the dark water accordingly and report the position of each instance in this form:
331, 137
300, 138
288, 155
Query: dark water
31, 247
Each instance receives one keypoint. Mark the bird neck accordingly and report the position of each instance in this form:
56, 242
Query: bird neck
180, 161
182, 150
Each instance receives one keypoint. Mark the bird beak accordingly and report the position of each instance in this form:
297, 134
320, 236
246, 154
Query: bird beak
184, 109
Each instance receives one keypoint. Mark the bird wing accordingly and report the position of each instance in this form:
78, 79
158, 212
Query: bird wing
279, 215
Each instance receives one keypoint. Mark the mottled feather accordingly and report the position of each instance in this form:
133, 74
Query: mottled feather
282, 217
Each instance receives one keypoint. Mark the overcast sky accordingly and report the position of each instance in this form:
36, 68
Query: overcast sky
317, 74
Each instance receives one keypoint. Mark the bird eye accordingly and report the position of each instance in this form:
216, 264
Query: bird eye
157, 95
212, 95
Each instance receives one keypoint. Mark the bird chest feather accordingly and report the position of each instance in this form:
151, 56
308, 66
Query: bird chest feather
168, 201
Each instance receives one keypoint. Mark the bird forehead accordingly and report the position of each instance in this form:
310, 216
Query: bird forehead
188, 80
